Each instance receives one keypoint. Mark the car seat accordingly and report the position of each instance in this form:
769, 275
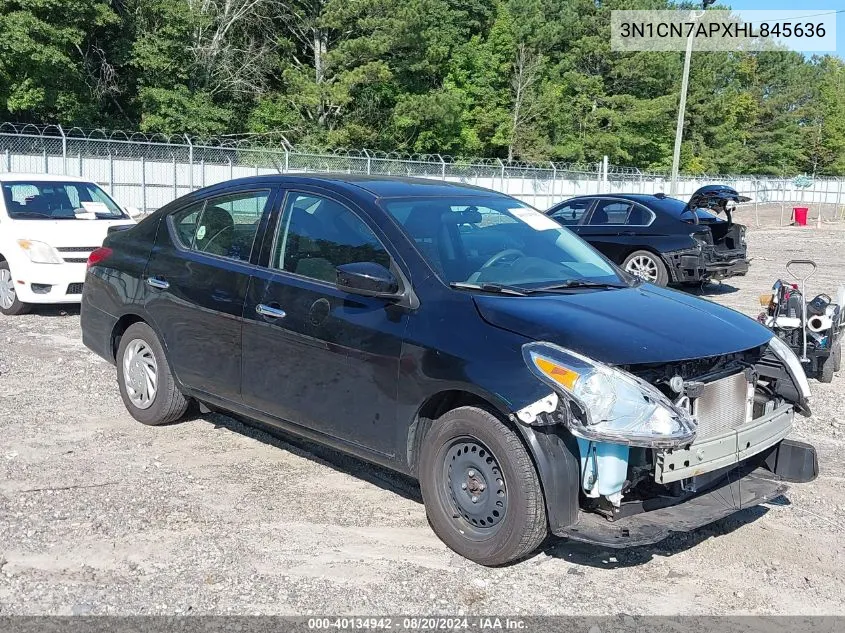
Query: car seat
437, 240
599, 216
215, 232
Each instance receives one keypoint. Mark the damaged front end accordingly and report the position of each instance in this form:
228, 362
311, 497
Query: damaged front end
673, 446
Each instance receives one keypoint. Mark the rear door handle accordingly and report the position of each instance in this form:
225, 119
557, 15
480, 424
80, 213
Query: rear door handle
156, 282
629, 233
270, 311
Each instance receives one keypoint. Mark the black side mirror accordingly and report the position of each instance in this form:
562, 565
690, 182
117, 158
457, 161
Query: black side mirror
368, 279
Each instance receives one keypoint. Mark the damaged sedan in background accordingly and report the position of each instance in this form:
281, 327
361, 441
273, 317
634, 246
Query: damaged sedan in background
461, 337
660, 239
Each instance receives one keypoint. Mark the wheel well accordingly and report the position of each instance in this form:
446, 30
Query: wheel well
2, 259
119, 328
647, 249
435, 406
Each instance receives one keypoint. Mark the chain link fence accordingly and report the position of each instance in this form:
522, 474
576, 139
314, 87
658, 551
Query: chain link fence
148, 171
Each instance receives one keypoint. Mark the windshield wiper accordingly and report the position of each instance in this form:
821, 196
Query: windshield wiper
31, 214
490, 287
580, 283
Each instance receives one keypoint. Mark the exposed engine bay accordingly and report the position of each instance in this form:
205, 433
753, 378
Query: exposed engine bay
743, 404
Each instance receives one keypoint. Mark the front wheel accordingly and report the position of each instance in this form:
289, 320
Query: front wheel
647, 266
10, 305
481, 491
147, 385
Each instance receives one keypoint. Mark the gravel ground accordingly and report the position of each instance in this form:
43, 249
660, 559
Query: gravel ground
101, 515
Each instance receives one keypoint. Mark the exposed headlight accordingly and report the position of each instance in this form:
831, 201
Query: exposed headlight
40, 253
608, 404
793, 365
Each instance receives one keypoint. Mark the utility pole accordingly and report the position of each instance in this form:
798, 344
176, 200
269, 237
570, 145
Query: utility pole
682, 106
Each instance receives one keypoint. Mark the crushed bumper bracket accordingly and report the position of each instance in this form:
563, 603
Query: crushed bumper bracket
735, 493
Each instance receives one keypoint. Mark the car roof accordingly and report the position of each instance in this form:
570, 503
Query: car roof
16, 177
643, 198
377, 186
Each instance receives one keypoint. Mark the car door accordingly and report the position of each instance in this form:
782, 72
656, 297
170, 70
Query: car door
315, 355
608, 227
196, 283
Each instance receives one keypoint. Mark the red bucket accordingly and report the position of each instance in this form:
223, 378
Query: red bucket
799, 215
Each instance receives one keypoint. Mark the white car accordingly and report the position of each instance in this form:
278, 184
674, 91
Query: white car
48, 227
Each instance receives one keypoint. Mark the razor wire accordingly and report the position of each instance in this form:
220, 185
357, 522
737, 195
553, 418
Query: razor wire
149, 170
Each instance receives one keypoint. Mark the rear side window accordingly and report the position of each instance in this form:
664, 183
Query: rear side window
610, 212
639, 216
224, 226
185, 223
571, 213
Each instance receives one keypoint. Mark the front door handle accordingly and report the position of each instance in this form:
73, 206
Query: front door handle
270, 311
156, 282
629, 233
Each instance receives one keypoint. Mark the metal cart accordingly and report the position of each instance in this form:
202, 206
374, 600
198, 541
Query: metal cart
820, 350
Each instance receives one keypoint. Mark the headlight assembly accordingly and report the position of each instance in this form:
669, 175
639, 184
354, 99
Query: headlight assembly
793, 365
609, 405
39, 252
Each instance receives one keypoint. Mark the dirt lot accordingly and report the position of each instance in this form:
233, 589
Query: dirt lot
99, 514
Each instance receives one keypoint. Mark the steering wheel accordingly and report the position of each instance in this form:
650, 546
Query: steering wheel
211, 240
501, 255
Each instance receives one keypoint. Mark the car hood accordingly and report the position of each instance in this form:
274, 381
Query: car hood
67, 233
643, 324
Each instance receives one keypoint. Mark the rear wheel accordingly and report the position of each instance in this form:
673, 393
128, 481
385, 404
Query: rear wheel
10, 305
146, 382
828, 367
647, 266
837, 354
481, 491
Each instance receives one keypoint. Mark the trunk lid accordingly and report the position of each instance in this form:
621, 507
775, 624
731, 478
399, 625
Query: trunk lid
716, 198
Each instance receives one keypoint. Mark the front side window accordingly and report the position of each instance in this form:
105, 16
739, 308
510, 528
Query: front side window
224, 226
317, 234
495, 239
570, 214
56, 200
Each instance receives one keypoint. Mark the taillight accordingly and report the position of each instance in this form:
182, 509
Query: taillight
98, 256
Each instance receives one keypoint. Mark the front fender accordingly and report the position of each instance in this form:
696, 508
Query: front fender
556, 457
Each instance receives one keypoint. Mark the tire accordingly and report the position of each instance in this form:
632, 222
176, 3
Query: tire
10, 305
837, 355
476, 444
648, 266
140, 355
828, 367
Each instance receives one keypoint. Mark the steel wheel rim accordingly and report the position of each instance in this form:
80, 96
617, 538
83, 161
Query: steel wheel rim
140, 374
471, 471
7, 289
643, 267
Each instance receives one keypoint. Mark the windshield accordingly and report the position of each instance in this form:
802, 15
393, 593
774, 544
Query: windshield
497, 240
56, 200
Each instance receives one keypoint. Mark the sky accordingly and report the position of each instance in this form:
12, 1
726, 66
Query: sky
813, 7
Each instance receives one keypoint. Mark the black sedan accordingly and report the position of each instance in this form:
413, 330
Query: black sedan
461, 337
663, 240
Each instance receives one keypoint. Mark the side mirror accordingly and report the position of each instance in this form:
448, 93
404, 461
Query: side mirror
368, 279
133, 212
